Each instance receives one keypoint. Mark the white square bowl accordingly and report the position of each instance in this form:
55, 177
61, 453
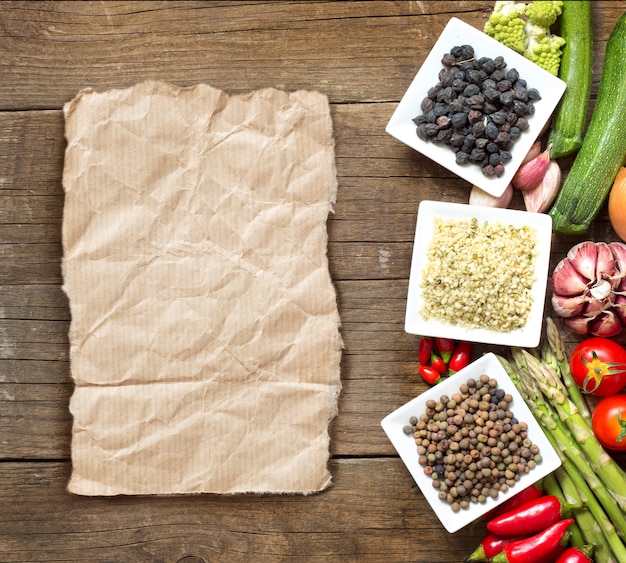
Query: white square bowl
404, 444
457, 32
415, 323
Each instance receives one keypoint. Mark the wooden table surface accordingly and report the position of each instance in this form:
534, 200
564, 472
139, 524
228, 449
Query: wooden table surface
363, 55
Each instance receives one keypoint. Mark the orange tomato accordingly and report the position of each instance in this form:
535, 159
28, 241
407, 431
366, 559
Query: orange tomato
617, 204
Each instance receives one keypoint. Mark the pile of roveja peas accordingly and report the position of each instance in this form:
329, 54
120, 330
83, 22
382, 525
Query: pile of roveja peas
471, 444
478, 108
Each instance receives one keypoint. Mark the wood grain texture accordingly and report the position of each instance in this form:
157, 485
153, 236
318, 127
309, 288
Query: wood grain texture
53, 49
363, 55
352, 521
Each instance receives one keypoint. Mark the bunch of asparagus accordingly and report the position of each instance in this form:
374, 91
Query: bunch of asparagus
588, 475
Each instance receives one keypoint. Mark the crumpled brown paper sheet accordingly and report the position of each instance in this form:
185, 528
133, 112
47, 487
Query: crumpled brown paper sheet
204, 342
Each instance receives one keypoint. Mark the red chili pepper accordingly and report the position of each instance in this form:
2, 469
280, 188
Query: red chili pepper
543, 547
532, 492
424, 350
580, 554
445, 346
438, 363
488, 548
461, 356
530, 518
430, 374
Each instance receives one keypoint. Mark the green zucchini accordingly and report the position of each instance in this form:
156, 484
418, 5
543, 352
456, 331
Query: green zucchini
570, 117
603, 151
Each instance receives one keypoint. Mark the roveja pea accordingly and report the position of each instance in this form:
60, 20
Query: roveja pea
480, 98
471, 444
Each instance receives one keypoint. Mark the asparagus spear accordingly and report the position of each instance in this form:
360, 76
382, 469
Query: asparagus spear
607, 470
571, 457
552, 487
601, 519
590, 529
561, 364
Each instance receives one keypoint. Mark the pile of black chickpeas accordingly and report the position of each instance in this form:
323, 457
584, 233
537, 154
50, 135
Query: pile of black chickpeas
471, 444
478, 109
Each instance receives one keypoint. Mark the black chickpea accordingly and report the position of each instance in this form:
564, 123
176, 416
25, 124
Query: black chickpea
471, 444
478, 109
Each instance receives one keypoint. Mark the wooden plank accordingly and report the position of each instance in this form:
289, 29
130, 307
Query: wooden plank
30, 263
372, 513
356, 51
34, 372
51, 51
34, 302
35, 422
31, 156
34, 340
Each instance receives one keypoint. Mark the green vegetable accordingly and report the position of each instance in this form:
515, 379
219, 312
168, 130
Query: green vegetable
506, 25
544, 12
553, 487
570, 117
543, 47
554, 355
610, 474
585, 520
603, 149
525, 28
572, 447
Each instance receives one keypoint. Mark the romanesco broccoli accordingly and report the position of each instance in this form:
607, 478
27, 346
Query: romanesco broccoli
525, 28
544, 12
506, 26
544, 48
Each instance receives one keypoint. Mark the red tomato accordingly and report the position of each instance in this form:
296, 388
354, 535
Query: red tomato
609, 422
598, 366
